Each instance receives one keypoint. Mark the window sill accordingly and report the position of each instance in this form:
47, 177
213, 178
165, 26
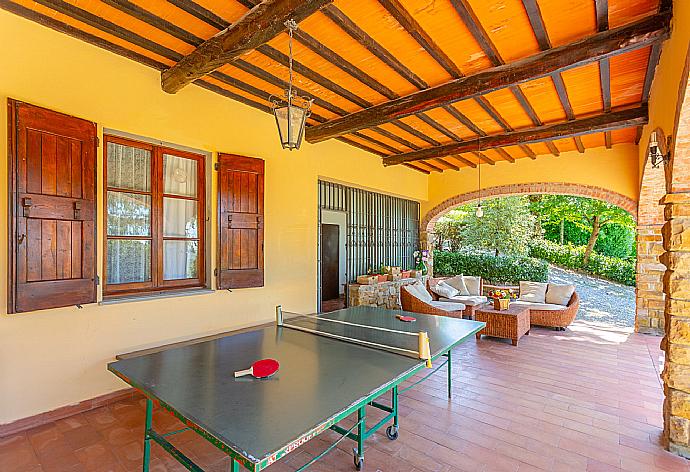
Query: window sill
114, 299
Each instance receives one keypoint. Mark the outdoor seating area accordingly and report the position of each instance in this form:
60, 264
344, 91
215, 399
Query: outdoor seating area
345, 235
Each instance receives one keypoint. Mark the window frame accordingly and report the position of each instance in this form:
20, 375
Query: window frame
157, 283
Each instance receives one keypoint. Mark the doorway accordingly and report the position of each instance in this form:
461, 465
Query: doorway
330, 262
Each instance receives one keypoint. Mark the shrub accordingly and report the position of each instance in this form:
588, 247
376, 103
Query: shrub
611, 268
493, 269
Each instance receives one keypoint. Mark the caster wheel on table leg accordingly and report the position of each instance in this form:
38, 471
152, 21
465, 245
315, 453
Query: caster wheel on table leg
358, 460
392, 432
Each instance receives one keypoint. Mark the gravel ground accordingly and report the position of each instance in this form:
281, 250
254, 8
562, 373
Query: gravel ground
601, 301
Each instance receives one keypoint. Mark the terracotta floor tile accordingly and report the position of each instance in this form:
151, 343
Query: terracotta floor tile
586, 400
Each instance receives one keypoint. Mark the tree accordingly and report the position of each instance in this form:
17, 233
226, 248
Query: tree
588, 214
506, 227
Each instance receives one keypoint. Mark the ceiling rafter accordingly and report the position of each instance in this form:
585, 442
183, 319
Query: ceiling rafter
258, 26
602, 12
213, 20
480, 35
415, 30
537, 22
615, 41
598, 123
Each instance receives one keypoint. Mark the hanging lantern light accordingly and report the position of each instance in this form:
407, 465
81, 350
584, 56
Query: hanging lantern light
291, 112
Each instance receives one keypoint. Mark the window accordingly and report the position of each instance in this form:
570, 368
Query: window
154, 217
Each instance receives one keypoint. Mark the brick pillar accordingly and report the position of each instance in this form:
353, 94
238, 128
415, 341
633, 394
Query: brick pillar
676, 343
650, 272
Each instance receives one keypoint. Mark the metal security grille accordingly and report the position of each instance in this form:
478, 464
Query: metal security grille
381, 229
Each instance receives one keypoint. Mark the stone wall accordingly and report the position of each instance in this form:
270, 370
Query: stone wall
676, 343
381, 295
650, 273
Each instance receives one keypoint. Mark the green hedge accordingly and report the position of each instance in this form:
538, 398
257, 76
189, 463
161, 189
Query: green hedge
507, 270
611, 268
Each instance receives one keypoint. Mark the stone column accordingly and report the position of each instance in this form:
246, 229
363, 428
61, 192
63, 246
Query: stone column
676, 343
650, 272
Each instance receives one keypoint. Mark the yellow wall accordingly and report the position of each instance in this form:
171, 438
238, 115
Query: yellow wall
57, 357
613, 169
663, 96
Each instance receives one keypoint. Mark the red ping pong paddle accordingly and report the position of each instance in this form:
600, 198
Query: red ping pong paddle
406, 319
260, 369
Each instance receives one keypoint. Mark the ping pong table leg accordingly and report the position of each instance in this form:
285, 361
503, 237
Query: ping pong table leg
450, 371
147, 437
234, 466
361, 435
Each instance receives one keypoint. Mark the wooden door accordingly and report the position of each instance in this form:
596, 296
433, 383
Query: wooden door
330, 261
52, 227
240, 222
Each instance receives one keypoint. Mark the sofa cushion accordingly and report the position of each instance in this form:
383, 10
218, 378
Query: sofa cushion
559, 294
469, 300
418, 291
473, 285
533, 292
444, 290
448, 306
458, 283
539, 306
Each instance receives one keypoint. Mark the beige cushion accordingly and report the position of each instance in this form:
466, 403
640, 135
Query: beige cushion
418, 291
458, 283
442, 289
538, 306
473, 284
448, 306
559, 294
534, 292
469, 300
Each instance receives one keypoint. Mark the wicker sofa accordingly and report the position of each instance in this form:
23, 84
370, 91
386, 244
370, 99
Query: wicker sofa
410, 302
553, 318
471, 302
559, 319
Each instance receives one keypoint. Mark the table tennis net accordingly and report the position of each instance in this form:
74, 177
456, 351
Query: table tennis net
357, 331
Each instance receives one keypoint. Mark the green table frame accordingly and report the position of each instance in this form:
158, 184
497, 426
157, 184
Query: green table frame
238, 459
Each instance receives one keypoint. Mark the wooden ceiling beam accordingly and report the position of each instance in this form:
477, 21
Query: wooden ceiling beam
464, 160
598, 123
258, 26
483, 157
632, 36
414, 29
504, 154
418, 169
361, 36
446, 163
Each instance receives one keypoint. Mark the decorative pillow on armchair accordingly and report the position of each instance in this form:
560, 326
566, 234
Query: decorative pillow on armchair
418, 291
534, 292
559, 294
444, 290
458, 283
473, 285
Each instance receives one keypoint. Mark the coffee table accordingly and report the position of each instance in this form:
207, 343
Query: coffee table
512, 323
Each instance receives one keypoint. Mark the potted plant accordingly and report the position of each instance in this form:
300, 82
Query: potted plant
501, 298
420, 259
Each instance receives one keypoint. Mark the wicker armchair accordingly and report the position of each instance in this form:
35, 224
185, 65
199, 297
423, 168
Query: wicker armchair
469, 309
556, 318
413, 304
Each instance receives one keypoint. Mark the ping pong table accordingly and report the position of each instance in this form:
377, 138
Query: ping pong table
331, 366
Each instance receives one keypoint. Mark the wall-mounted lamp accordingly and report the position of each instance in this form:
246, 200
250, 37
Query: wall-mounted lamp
659, 148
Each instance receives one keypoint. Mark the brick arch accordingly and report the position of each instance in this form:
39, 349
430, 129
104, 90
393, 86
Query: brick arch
553, 188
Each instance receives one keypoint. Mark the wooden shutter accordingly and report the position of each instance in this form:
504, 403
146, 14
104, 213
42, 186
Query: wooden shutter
52, 163
240, 222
